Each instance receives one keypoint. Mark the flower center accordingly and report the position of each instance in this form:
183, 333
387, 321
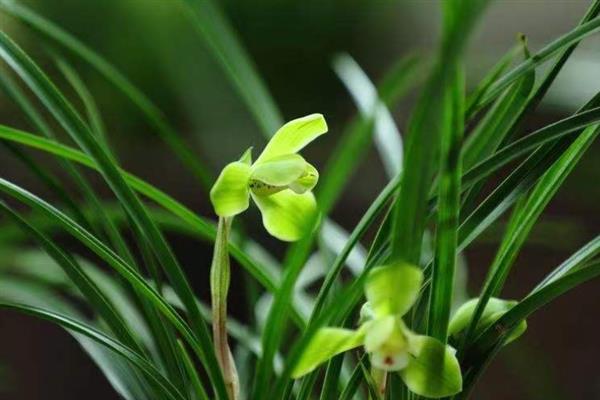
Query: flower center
260, 188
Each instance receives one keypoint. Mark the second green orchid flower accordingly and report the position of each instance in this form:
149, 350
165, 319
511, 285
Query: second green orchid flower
427, 366
279, 181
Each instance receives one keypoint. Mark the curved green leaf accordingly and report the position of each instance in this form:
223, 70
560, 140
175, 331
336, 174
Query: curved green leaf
167, 389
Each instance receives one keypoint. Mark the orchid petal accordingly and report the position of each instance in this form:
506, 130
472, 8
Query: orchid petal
307, 181
325, 344
230, 194
392, 289
494, 309
279, 171
293, 136
433, 371
286, 215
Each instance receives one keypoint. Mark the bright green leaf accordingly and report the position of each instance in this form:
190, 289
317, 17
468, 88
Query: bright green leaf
434, 371
392, 289
286, 215
326, 343
230, 194
293, 136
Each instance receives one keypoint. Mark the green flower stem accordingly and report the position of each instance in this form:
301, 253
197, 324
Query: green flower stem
219, 287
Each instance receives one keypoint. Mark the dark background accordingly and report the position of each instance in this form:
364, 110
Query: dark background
292, 44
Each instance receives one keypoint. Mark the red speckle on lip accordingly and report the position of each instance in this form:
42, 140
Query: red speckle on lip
388, 360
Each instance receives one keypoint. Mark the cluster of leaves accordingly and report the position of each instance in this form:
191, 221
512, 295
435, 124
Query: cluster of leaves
148, 331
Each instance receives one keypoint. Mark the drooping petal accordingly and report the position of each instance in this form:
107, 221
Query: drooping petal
494, 309
307, 181
286, 215
279, 171
293, 136
230, 194
326, 343
392, 289
433, 370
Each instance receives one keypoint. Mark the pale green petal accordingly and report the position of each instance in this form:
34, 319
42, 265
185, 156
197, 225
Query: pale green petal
392, 289
293, 136
326, 343
378, 331
246, 158
230, 194
307, 181
433, 370
494, 309
286, 215
279, 171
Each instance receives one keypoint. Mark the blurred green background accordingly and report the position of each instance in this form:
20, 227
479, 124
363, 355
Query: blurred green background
292, 45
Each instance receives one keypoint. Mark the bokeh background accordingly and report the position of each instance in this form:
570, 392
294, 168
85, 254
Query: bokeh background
292, 44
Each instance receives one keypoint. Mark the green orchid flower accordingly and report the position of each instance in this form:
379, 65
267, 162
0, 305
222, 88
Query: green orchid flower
279, 181
427, 366
493, 310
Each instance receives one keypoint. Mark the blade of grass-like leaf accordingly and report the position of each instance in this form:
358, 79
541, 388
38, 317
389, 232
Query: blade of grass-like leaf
524, 220
27, 266
424, 133
573, 37
489, 79
203, 227
387, 136
517, 183
50, 181
80, 133
540, 91
376, 207
192, 373
580, 257
355, 380
497, 122
168, 390
165, 339
553, 72
164, 336
221, 38
112, 259
124, 379
104, 223
331, 380
92, 293
444, 265
114, 76
519, 147
13, 91
356, 137
91, 108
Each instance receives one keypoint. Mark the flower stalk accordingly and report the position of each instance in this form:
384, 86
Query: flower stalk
220, 276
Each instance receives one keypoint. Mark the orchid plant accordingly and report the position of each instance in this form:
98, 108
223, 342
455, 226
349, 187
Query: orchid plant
146, 328
280, 183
